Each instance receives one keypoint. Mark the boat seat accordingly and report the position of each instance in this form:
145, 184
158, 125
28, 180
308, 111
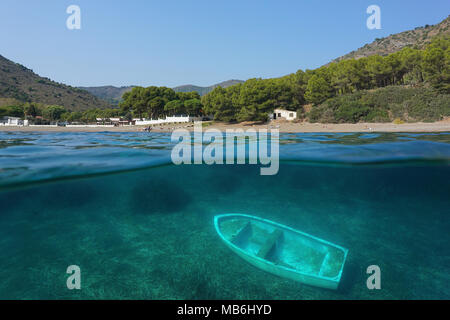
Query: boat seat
284, 264
324, 265
270, 244
240, 234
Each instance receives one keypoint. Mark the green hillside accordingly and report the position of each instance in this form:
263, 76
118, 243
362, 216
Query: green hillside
22, 84
408, 85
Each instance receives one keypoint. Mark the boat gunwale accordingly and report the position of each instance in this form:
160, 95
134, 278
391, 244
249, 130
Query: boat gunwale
334, 279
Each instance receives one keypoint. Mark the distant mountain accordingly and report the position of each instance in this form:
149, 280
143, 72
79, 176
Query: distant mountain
417, 38
114, 94
22, 84
204, 90
109, 93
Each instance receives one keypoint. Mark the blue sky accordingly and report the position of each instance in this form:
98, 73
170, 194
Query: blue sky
145, 42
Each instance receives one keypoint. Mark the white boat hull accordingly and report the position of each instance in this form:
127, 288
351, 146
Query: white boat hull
284, 251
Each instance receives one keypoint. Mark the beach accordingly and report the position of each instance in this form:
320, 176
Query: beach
282, 126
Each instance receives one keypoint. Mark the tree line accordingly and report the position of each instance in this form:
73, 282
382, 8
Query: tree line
151, 103
43, 114
155, 102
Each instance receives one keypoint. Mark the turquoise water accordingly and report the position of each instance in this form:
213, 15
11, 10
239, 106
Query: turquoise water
141, 228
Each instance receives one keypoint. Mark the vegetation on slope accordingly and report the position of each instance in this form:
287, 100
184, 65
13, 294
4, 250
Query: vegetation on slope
406, 104
344, 82
22, 84
417, 38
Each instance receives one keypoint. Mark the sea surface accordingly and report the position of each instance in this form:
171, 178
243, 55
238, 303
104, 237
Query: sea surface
140, 227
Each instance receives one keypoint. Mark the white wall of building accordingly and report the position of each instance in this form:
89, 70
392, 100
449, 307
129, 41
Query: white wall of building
89, 126
12, 121
286, 114
174, 119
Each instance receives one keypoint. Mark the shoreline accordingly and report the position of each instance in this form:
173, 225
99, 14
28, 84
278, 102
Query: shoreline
282, 126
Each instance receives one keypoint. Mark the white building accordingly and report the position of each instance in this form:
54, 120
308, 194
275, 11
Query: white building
173, 119
13, 121
283, 114
115, 121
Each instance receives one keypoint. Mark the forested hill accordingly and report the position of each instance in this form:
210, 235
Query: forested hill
417, 38
22, 84
408, 85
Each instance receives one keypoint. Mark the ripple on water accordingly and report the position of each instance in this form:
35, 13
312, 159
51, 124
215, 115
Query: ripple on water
32, 157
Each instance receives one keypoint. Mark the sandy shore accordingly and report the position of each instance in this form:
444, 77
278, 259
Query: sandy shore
441, 126
283, 126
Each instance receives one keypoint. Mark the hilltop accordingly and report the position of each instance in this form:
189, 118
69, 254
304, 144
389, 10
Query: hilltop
22, 84
109, 93
417, 38
204, 90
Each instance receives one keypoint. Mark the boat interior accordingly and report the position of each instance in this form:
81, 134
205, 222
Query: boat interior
283, 247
